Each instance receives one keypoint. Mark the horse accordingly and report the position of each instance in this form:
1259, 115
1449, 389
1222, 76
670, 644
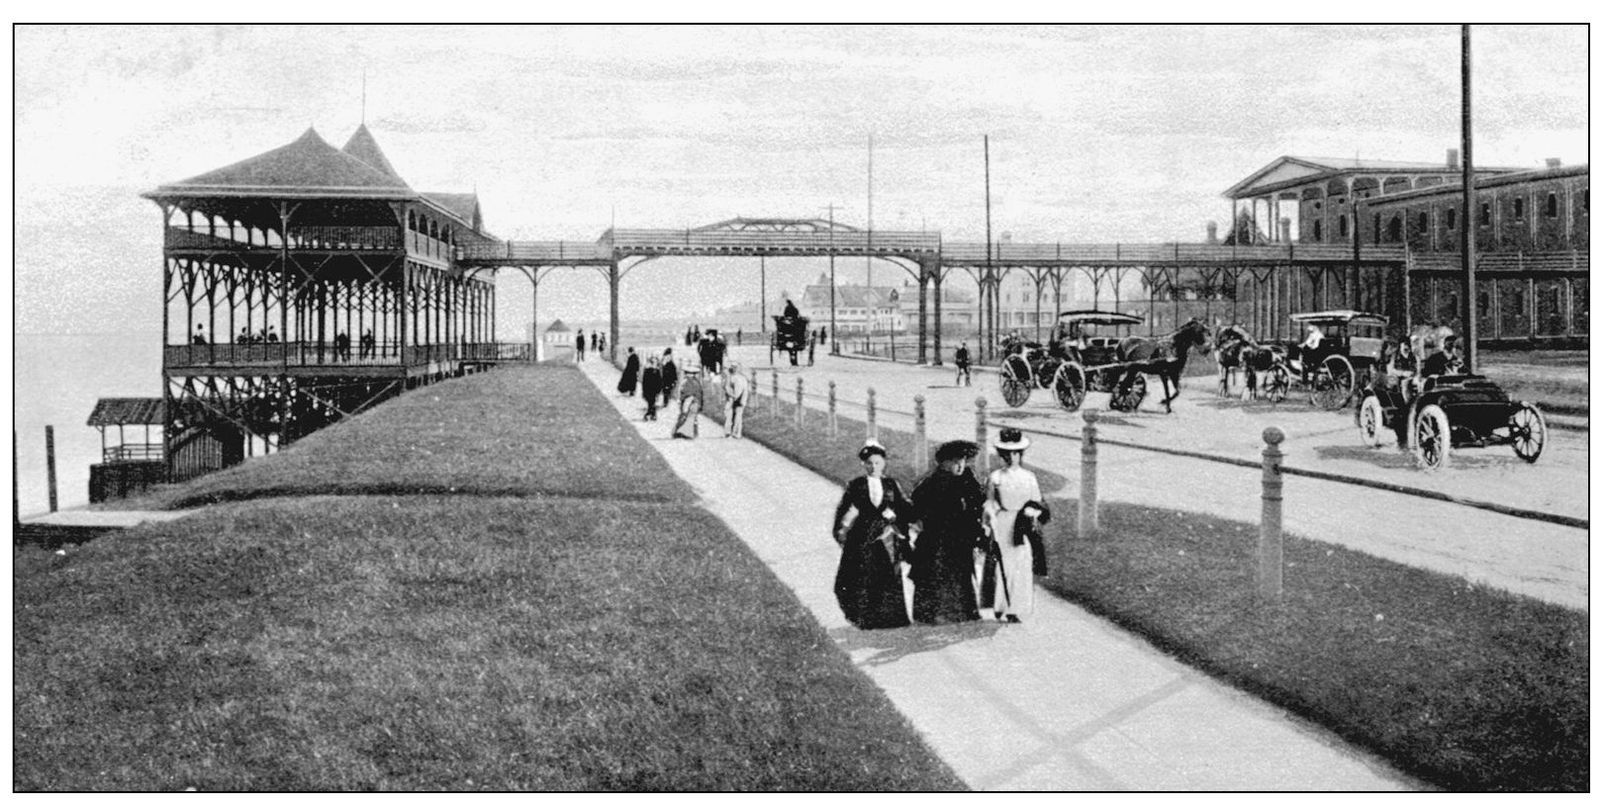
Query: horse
1151, 357
1235, 348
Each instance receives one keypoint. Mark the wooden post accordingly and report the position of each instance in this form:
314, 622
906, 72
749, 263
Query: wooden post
983, 459
870, 431
891, 347
831, 410
799, 401
1270, 525
50, 463
1087, 511
921, 450
774, 392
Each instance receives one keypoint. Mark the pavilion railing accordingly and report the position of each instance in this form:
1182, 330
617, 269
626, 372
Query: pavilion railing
1162, 252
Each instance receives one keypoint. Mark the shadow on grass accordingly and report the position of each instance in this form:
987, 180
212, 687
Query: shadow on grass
1390, 457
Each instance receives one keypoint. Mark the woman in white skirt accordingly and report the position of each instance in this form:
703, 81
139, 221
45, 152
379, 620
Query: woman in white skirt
1013, 503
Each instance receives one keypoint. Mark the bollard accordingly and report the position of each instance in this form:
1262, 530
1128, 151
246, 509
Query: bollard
50, 463
870, 431
830, 413
983, 459
774, 392
799, 402
1087, 511
1270, 523
921, 451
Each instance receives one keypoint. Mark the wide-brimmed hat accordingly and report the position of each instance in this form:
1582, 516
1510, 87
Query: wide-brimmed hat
956, 449
1010, 439
871, 448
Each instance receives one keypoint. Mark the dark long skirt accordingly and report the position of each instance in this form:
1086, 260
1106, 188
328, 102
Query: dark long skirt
868, 587
943, 571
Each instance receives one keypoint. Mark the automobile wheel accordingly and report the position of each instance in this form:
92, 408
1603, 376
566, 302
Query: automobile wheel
1528, 432
1333, 383
1429, 438
1372, 432
1069, 386
1014, 378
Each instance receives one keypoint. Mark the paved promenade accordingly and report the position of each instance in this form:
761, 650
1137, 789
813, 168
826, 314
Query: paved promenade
1064, 701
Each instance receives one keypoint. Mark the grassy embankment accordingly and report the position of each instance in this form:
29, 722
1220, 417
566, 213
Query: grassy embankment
491, 583
1468, 687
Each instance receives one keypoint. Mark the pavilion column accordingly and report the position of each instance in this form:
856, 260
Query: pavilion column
924, 278
613, 311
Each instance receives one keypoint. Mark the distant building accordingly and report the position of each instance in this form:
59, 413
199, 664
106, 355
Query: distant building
1531, 239
859, 309
558, 339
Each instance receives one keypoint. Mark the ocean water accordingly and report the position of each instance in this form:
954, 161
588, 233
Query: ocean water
57, 379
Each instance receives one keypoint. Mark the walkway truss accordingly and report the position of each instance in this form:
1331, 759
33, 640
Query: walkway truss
1253, 285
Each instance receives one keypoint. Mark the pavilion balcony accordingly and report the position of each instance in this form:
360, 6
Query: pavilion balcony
311, 354
328, 239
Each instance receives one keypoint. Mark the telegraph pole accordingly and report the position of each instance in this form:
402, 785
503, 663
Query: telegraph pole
986, 274
835, 346
869, 261
1468, 197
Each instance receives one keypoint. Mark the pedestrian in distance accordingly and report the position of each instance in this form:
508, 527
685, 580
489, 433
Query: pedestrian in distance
342, 345
947, 510
651, 387
868, 525
1014, 512
961, 359
365, 348
631, 374
685, 427
200, 335
579, 346
735, 400
671, 376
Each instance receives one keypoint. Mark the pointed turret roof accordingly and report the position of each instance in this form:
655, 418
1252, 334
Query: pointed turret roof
465, 206
309, 166
365, 148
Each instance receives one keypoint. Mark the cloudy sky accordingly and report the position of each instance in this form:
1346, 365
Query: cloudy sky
1098, 134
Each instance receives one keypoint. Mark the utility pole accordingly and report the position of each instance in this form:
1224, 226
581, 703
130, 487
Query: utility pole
986, 273
1468, 196
869, 261
763, 298
835, 345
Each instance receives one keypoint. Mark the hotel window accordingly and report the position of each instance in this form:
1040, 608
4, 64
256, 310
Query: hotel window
1421, 222
1343, 226
1551, 206
1519, 208
1449, 218
1485, 215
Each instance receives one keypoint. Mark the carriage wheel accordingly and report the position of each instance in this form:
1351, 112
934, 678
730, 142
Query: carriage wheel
1129, 393
1429, 438
1014, 377
1070, 386
1372, 431
1277, 381
1528, 432
1333, 383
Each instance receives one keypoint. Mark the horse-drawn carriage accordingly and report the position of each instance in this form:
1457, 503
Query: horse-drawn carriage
1429, 415
1345, 360
791, 336
1077, 360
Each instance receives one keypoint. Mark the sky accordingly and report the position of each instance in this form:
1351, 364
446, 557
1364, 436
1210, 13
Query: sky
1097, 134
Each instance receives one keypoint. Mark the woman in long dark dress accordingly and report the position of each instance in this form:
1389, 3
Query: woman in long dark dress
632, 371
947, 510
868, 585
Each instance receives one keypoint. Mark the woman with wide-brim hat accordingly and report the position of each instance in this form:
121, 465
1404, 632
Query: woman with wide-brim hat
1013, 508
947, 511
868, 525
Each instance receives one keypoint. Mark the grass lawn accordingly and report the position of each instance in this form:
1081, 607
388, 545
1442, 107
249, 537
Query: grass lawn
1465, 686
610, 636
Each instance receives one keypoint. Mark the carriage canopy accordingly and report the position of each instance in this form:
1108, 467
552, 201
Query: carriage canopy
1343, 316
1099, 318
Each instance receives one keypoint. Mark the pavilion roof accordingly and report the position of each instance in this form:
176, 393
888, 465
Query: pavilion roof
465, 206
362, 146
1289, 171
308, 167
127, 411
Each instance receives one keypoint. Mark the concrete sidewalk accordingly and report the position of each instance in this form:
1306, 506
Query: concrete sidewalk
1064, 701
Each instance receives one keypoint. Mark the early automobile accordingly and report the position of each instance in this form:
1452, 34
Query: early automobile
1430, 416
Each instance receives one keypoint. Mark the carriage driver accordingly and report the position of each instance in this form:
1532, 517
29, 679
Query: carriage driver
1308, 348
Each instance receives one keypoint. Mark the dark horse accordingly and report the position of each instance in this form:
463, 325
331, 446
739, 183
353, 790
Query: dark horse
1152, 357
1235, 348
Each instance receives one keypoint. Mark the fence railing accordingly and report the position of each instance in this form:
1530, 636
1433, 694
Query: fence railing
323, 238
132, 452
301, 354
535, 251
975, 253
838, 241
1568, 261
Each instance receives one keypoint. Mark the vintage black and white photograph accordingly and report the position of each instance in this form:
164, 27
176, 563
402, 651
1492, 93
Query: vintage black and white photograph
800, 407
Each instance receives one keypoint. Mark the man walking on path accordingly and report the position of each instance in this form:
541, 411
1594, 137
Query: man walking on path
961, 359
579, 346
735, 394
